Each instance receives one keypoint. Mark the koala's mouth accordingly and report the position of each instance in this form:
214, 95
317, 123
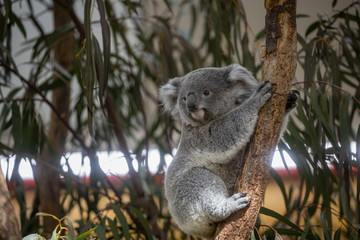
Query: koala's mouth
198, 114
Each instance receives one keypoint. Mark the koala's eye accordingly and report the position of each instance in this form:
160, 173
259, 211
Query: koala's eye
184, 99
206, 92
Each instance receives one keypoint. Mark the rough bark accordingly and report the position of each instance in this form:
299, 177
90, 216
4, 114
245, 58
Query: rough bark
48, 177
279, 68
9, 224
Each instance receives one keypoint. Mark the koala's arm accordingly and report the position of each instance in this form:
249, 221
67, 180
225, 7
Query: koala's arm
220, 140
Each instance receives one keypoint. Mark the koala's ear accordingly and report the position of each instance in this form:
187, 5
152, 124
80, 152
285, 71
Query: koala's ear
239, 74
168, 95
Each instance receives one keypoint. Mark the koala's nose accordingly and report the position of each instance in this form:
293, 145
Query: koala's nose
191, 102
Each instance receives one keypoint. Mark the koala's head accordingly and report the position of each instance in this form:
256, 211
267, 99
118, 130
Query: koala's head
207, 93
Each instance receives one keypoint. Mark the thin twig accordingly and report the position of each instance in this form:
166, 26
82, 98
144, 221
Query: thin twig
342, 11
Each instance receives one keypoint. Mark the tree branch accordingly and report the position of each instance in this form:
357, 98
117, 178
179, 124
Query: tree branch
279, 68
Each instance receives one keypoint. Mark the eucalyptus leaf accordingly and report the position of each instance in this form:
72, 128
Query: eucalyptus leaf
71, 229
143, 222
122, 219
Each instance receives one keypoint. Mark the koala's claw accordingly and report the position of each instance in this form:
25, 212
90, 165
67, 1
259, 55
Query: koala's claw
239, 195
243, 194
262, 93
291, 100
295, 92
240, 201
264, 87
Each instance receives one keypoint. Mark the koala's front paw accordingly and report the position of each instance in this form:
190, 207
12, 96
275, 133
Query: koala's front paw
262, 93
291, 100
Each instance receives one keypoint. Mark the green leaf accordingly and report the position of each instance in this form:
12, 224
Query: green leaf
85, 234
19, 23
8, 12
278, 237
312, 28
33, 236
334, 2
299, 15
99, 68
16, 120
271, 213
275, 175
89, 67
122, 219
100, 231
316, 107
114, 229
72, 235
106, 48
337, 234
344, 125
193, 20
51, 84
283, 232
46, 215
10, 59
54, 235
301, 40
252, 236
45, 41
326, 230
144, 223
304, 235
260, 35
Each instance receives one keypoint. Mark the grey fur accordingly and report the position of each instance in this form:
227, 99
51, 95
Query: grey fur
218, 108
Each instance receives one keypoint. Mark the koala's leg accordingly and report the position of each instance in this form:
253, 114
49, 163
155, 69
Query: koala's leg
217, 204
200, 199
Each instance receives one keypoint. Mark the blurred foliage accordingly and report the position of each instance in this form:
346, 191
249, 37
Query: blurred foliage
61, 231
125, 49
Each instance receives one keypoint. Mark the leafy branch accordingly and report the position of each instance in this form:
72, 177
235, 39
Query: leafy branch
331, 85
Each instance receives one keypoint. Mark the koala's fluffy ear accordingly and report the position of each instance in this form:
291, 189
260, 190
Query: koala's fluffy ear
239, 74
168, 95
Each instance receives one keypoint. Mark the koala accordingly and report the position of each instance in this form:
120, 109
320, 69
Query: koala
218, 109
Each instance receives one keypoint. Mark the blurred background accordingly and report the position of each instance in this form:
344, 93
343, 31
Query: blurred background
83, 134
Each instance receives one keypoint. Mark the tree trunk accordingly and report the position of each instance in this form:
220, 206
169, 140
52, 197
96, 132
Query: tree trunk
279, 68
47, 172
9, 224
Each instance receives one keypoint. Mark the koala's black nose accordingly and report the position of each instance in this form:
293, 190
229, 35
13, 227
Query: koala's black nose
191, 102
